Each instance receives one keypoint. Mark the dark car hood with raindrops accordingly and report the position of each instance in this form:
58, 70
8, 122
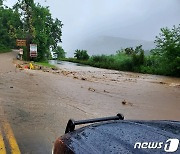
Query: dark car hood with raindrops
121, 137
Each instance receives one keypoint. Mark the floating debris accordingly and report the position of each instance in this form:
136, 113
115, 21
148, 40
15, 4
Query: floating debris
83, 78
75, 77
124, 102
160, 82
91, 89
46, 71
106, 91
54, 68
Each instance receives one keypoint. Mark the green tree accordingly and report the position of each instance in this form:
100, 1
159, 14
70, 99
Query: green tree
138, 58
139, 54
129, 51
59, 52
81, 55
10, 27
1, 2
168, 50
40, 26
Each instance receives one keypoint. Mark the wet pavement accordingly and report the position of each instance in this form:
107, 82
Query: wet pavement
37, 104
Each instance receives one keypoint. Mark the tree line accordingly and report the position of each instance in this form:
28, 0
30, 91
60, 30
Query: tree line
27, 19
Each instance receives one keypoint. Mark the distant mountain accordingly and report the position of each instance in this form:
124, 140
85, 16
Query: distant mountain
109, 45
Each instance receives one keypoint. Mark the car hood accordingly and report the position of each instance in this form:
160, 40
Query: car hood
122, 137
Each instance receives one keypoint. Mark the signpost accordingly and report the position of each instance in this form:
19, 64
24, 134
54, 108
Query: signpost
21, 43
33, 50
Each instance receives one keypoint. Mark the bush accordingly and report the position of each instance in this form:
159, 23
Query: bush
116, 62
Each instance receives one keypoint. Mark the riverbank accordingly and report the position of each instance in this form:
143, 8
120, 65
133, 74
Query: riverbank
138, 63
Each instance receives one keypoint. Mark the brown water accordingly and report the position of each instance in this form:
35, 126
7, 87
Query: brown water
88, 70
146, 96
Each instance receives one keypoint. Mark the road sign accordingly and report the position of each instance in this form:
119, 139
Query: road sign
21, 51
20, 43
33, 50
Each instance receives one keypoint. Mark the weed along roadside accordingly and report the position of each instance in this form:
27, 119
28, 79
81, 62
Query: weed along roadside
45, 66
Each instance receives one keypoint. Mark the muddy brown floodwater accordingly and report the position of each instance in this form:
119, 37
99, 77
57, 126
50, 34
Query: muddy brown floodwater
38, 104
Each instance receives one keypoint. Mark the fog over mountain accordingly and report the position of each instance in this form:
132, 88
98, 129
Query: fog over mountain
109, 45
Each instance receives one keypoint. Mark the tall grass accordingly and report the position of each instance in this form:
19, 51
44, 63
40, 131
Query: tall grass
117, 62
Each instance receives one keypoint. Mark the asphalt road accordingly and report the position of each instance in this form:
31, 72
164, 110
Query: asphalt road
35, 105
32, 114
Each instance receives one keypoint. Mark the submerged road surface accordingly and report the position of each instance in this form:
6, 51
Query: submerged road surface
35, 105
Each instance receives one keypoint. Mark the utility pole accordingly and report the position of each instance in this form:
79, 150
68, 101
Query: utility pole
30, 29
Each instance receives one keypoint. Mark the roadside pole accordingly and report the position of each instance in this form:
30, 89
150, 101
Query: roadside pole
21, 53
28, 42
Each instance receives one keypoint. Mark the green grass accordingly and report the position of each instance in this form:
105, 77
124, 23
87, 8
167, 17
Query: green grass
4, 50
46, 64
115, 62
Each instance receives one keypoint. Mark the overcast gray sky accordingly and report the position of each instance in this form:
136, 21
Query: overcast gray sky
132, 19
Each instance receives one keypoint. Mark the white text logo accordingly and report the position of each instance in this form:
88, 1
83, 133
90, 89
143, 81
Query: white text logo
171, 145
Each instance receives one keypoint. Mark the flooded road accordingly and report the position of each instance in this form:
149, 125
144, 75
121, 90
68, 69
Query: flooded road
145, 96
37, 104
90, 71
